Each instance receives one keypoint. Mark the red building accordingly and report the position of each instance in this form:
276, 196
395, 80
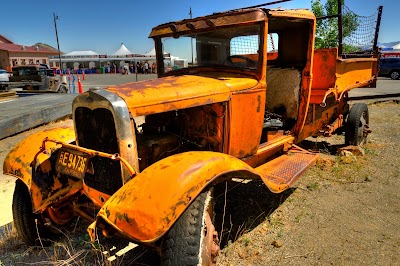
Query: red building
12, 54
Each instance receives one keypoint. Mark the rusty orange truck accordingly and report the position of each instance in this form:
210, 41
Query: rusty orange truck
141, 159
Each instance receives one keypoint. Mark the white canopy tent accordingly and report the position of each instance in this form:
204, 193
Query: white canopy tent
396, 47
123, 56
122, 51
170, 60
80, 53
152, 53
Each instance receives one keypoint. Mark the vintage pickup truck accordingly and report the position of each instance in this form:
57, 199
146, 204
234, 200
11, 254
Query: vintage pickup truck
142, 158
35, 78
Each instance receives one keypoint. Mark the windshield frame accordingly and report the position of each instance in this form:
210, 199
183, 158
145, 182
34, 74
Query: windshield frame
194, 69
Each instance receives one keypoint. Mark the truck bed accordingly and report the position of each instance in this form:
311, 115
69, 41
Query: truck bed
334, 75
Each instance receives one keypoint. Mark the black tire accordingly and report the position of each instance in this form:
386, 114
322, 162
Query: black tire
182, 245
357, 123
395, 74
25, 220
62, 89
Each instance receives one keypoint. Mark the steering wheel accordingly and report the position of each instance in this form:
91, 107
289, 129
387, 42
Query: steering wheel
249, 62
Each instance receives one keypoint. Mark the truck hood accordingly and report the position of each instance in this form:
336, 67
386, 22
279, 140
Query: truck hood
179, 92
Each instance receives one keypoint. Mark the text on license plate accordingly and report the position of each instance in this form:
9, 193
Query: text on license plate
72, 163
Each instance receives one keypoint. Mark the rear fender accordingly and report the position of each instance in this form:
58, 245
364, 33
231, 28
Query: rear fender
149, 204
44, 184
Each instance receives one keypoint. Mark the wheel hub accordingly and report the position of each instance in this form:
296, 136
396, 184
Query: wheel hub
365, 130
210, 243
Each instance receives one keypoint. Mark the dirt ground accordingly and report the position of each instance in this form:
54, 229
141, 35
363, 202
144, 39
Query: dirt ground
338, 213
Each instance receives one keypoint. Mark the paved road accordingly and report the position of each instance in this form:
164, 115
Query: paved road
384, 86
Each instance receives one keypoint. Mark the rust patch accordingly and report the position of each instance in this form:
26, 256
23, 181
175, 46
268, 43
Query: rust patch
162, 167
123, 216
121, 197
17, 172
18, 160
176, 160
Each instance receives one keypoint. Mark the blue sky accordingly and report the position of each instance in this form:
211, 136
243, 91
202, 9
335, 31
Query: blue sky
101, 25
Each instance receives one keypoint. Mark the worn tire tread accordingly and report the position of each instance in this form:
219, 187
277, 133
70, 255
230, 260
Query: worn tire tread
24, 221
352, 124
24, 218
181, 244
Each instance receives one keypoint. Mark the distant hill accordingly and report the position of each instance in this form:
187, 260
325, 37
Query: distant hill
45, 46
388, 44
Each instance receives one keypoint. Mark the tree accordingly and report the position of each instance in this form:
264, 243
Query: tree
327, 29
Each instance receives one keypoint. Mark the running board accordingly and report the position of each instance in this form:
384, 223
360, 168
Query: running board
279, 173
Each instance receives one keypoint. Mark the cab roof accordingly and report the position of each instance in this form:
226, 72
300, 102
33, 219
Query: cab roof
228, 18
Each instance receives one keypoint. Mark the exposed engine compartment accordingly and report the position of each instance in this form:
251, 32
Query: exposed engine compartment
192, 129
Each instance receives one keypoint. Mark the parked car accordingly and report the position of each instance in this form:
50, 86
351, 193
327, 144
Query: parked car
389, 67
4, 75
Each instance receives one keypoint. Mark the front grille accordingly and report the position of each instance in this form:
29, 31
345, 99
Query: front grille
96, 130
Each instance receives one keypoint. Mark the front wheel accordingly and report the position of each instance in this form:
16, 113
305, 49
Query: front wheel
357, 127
28, 224
395, 74
62, 89
192, 240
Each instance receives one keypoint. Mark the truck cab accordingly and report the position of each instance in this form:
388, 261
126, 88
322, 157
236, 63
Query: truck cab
263, 57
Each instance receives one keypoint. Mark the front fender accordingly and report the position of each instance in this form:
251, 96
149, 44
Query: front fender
43, 186
149, 204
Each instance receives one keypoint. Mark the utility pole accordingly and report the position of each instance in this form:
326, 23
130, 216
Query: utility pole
58, 44
191, 39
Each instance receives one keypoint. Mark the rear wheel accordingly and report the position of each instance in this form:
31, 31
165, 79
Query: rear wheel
192, 240
357, 127
28, 224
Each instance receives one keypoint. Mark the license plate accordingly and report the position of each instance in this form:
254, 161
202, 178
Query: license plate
72, 162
